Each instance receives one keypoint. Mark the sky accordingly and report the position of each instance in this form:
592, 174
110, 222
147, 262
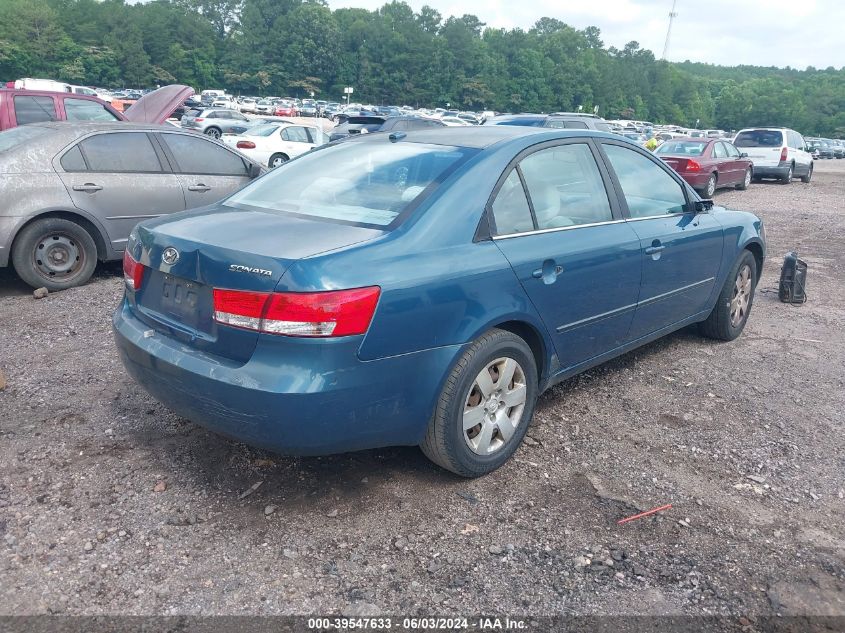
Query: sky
796, 33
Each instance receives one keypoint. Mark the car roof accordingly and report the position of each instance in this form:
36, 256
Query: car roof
76, 129
482, 136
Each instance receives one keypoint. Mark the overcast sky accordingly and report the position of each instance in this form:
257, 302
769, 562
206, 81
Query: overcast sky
797, 33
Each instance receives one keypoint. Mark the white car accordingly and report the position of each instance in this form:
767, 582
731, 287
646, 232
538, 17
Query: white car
248, 105
272, 144
226, 102
265, 106
453, 121
777, 152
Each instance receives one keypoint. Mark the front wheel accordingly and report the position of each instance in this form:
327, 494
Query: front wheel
729, 316
54, 253
485, 407
745, 181
809, 176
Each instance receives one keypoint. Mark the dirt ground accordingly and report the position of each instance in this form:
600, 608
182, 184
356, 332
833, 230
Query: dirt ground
109, 503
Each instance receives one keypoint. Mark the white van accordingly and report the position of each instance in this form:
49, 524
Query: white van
777, 152
42, 84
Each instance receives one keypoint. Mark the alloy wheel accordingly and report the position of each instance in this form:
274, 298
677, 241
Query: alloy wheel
494, 406
741, 296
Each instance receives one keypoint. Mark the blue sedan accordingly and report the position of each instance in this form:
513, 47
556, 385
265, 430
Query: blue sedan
423, 288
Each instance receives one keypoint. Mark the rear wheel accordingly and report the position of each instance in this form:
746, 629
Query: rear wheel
710, 188
485, 407
788, 177
745, 181
277, 159
809, 175
213, 132
730, 314
54, 253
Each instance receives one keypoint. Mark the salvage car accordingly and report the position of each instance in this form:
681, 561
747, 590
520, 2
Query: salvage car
215, 122
423, 288
272, 144
707, 163
73, 192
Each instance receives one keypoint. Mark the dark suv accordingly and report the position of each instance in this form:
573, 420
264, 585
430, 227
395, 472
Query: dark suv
568, 120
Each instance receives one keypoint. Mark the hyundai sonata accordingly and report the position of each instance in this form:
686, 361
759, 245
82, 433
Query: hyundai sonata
423, 288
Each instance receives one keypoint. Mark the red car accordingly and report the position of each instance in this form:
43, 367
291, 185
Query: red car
707, 164
285, 109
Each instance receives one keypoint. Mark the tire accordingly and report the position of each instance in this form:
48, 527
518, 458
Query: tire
746, 180
54, 253
461, 451
788, 177
809, 176
724, 323
709, 188
213, 132
276, 160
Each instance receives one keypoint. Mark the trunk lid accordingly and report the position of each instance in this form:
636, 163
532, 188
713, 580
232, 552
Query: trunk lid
158, 105
226, 248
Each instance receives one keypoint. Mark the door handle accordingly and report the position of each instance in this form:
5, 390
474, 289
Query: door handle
200, 187
88, 187
651, 250
549, 272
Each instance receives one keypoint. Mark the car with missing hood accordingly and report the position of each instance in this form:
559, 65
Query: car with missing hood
21, 107
73, 191
423, 288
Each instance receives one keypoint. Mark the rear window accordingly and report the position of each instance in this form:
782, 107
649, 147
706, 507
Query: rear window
18, 136
759, 138
685, 148
357, 183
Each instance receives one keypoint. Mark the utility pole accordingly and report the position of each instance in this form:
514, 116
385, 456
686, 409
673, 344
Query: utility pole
672, 16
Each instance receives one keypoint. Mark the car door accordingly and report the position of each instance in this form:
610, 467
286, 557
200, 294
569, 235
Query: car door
681, 250
738, 164
296, 140
120, 178
207, 171
564, 236
721, 163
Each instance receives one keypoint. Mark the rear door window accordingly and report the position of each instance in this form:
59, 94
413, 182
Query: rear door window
719, 151
85, 110
121, 152
296, 134
759, 138
196, 155
32, 109
511, 212
73, 160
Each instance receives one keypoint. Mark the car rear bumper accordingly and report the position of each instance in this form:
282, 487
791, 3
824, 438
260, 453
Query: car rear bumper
771, 171
696, 180
294, 396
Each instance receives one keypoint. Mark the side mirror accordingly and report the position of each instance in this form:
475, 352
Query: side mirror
702, 206
254, 170
743, 155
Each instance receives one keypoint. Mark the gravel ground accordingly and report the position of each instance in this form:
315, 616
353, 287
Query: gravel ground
109, 503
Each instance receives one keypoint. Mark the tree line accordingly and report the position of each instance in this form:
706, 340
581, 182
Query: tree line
397, 56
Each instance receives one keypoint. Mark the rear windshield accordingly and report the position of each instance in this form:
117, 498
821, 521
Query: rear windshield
759, 138
358, 183
686, 148
18, 136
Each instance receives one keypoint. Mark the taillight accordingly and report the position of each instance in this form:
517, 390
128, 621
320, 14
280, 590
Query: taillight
133, 271
693, 165
783, 155
199, 120
314, 314
245, 145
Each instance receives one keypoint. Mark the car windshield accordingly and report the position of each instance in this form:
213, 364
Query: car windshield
759, 138
18, 136
685, 148
358, 183
261, 130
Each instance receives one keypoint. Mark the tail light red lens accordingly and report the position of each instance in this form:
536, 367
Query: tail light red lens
199, 119
784, 154
133, 272
693, 165
245, 145
311, 314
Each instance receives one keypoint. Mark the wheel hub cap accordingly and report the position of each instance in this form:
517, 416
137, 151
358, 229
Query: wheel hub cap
741, 298
57, 256
494, 406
